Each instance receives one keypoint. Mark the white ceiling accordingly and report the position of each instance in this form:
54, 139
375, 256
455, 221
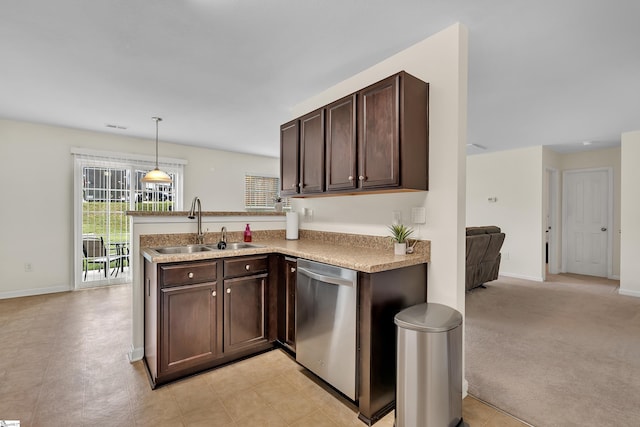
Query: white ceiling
225, 73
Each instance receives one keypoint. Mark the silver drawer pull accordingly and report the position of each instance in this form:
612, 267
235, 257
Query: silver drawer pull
247, 267
350, 178
228, 290
190, 275
361, 178
214, 293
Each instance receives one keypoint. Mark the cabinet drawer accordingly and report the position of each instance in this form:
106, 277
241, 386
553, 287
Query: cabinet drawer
245, 266
187, 273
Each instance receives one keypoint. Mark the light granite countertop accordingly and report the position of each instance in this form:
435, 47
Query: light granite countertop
364, 259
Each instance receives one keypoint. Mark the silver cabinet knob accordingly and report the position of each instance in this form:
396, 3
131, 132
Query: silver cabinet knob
350, 178
190, 275
293, 270
247, 267
361, 178
214, 293
228, 290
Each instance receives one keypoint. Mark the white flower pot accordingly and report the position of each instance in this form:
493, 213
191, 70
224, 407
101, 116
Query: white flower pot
400, 248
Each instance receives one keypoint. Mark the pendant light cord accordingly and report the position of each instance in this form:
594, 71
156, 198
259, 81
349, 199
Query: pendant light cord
157, 119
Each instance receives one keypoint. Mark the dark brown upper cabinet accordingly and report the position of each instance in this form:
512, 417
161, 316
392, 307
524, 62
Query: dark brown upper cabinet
289, 158
342, 163
393, 134
376, 140
312, 152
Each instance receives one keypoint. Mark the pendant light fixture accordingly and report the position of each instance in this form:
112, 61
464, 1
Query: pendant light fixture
156, 175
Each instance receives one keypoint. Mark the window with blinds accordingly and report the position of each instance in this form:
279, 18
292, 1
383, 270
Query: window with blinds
261, 192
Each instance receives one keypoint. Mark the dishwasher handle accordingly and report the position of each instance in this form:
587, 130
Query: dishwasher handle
326, 279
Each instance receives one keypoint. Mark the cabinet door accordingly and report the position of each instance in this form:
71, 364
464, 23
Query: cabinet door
341, 145
378, 134
312, 152
289, 158
244, 312
290, 303
188, 334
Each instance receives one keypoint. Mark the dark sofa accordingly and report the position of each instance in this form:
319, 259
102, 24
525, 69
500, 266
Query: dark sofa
483, 255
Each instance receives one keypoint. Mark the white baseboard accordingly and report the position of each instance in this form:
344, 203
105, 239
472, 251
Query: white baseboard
629, 293
35, 291
522, 276
614, 277
465, 388
136, 353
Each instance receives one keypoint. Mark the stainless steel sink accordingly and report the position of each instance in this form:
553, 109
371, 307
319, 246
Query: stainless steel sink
188, 249
242, 245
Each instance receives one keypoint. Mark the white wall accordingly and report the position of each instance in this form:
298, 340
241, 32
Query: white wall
37, 225
440, 60
630, 215
521, 175
515, 178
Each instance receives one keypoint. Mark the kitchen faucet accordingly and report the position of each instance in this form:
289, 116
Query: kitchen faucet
192, 215
223, 235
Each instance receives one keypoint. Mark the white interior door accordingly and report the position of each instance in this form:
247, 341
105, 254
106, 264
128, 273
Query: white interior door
586, 221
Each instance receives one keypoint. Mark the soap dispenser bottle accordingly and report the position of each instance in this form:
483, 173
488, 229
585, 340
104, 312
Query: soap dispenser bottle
247, 234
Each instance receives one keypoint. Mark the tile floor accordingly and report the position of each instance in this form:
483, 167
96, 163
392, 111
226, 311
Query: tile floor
63, 363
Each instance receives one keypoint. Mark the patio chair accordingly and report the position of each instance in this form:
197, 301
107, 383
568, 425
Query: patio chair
95, 253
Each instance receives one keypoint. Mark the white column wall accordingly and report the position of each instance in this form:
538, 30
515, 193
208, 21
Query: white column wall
630, 215
515, 178
440, 60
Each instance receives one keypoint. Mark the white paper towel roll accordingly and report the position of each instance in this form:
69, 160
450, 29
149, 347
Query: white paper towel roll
292, 226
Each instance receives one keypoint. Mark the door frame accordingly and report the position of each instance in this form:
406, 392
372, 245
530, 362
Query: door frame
553, 208
565, 239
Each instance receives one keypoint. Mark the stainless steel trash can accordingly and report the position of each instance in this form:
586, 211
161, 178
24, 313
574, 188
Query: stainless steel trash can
429, 366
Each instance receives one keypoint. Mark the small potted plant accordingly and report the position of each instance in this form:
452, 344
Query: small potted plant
400, 233
277, 203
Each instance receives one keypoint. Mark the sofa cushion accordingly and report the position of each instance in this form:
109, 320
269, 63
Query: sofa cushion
474, 231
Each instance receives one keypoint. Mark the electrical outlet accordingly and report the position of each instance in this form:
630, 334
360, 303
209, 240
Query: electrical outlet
28, 268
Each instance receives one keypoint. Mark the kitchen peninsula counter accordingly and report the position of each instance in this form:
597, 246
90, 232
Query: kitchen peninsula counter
368, 254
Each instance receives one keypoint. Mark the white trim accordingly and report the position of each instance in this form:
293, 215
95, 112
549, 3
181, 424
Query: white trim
128, 156
554, 197
522, 276
465, 388
135, 354
629, 293
609, 171
36, 291
614, 277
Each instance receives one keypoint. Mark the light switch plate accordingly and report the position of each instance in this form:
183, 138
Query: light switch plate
396, 218
418, 215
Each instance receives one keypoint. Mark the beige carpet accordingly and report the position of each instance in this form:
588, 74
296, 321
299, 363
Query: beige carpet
561, 353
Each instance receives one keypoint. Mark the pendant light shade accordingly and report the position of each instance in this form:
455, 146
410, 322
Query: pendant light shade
156, 175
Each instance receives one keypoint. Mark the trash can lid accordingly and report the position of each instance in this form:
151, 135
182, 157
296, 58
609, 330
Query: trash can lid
429, 317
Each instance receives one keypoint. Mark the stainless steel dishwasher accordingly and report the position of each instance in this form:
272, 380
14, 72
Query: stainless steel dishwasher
326, 313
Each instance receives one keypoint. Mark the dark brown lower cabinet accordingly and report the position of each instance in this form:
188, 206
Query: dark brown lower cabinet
188, 333
381, 296
244, 312
194, 320
287, 271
